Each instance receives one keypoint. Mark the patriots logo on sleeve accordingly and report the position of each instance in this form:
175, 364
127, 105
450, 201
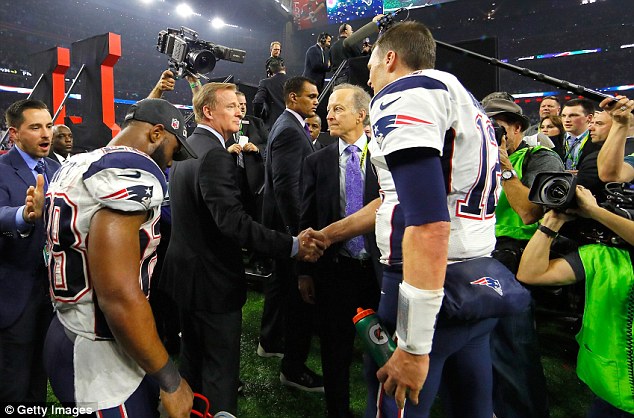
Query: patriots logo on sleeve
141, 194
489, 282
387, 124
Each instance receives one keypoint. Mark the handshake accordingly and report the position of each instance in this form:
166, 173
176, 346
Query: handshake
312, 245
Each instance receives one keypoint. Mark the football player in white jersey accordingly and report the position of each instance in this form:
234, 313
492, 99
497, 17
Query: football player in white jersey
437, 164
102, 350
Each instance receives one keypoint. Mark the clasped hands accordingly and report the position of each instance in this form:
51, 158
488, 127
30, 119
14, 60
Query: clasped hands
248, 147
312, 245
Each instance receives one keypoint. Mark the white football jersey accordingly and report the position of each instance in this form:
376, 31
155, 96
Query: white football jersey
118, 178
431, 109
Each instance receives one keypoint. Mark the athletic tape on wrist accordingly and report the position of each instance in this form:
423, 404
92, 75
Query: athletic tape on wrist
416, 317
168, 377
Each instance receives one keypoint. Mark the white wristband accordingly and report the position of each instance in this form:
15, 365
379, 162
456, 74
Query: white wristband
416, 318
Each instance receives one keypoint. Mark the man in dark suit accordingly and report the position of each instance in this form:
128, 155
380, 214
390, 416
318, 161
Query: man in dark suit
25, 308
285, 317
203, 270
317, 60
62, 143
248, 146
268, 103
346, 277
314, 127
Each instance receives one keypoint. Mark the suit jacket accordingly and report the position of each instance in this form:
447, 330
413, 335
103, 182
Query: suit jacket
253, 128
321, 206
338, 53
316, 65
53, 157
288, 145
203, 267
268, 102
21, 261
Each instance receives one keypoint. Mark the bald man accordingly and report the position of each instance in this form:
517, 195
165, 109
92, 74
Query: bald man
62, 143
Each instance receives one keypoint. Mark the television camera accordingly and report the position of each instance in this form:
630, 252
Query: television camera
190, 55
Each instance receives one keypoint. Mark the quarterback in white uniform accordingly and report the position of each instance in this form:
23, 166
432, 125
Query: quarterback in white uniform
437, 165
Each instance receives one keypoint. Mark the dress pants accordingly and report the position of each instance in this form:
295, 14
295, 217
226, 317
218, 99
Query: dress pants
210, 356
340, 289
22, 375
287, 321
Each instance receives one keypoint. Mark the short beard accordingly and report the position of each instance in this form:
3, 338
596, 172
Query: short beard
159, 156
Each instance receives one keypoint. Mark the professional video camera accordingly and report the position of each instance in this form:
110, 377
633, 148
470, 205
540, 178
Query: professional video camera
190, 55
556, 190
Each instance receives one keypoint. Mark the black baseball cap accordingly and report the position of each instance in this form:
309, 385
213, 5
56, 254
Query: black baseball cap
160, 111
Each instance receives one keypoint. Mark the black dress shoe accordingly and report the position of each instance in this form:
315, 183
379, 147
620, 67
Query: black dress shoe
302, 379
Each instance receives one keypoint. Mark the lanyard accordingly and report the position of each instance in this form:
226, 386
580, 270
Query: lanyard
570, 149
363, 154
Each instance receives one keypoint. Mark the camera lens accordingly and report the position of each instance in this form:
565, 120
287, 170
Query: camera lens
555, 192
201, 61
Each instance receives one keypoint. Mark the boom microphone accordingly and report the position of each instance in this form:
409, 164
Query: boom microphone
371, 28
360, 34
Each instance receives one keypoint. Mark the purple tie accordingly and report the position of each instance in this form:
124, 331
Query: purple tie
354, 196
307, 131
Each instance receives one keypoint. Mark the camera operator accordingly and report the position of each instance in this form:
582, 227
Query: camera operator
519, 385
611, 165
605, 339
167, 82
341, 51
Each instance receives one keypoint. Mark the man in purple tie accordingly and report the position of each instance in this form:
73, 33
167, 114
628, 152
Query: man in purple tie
347, 275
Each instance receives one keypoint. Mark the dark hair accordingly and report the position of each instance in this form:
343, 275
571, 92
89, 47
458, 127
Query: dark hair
295, 85
413, 42
587, 105
556, 120
15, 113
321, 38
275, 66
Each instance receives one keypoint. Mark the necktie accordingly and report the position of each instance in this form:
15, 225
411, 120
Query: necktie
240, 158
307, 131
354, 195
40, 168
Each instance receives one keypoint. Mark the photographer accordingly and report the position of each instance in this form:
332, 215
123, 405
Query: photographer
605, 339
519, 385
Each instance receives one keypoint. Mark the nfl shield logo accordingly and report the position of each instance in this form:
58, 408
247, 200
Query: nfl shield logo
175, 123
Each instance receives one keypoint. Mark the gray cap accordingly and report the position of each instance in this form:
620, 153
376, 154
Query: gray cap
500, 106
160, 111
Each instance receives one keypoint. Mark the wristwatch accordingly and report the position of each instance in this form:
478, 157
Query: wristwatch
508, 174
